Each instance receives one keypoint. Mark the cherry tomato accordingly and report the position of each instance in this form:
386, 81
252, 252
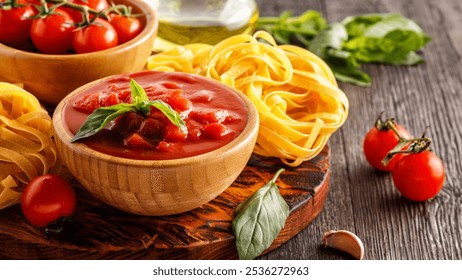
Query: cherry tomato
53, 34
378, 143
97, 5
46, 199
419, 176
99, 35
15, 24
127, 27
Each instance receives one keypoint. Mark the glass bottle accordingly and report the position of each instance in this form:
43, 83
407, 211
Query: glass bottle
203, 21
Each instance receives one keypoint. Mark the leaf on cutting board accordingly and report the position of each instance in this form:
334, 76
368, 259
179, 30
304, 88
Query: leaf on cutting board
259, 219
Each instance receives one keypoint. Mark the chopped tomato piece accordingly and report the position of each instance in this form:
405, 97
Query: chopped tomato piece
158, 115
164, 146
125, 96
173, 97
203, 96
209, 116
152, 128
215, 130
88, 103
171, 85
109, 100
113, 87
180, 103
174, 133
128, 123
194, 130
136, 141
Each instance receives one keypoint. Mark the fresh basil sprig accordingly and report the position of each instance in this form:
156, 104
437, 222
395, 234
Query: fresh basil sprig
141, 103
388, 38
259, 219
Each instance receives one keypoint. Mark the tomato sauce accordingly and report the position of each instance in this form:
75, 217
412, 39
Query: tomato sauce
214, 116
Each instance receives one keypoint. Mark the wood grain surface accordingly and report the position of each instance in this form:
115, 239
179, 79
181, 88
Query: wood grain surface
364, 201
99, 231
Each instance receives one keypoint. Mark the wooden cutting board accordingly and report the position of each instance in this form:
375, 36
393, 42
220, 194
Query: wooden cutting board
99, 231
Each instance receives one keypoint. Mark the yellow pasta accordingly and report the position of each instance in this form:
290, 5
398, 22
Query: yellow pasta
295, 92
26, 147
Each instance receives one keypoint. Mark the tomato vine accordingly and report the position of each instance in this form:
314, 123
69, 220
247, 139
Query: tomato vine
98, 24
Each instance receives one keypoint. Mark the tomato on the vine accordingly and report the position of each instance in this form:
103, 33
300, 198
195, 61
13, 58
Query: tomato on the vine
97, 36
15, 24
127, 27
53, 34
47, 198
97, 5
379, 141
419, 176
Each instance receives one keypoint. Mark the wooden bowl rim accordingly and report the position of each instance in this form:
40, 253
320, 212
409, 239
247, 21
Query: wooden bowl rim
149, 29
248, 134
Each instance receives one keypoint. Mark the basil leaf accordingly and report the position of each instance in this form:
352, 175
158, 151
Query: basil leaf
100, 118
259, 219
171, 114
385, 38
141, 103
332, 37
328, 46
140, 98
356, 25
371, 38
285, 27
346, 68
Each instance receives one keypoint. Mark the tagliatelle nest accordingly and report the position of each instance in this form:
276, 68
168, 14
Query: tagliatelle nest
26, 148
294, 91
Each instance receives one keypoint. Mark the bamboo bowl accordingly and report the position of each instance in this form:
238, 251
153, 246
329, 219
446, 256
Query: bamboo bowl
51, 77
156, 187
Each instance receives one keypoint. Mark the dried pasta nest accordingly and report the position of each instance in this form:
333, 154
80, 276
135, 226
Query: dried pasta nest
295, 92
26, 147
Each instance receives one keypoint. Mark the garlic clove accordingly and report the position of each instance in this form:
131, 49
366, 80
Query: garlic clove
345, 241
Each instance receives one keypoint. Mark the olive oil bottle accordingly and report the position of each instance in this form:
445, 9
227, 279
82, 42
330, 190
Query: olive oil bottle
203, 21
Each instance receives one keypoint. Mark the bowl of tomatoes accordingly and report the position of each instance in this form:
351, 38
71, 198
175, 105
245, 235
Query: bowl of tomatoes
52, 47
155, 143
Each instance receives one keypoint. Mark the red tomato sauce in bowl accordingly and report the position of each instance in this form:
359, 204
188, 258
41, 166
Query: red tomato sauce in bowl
214, 115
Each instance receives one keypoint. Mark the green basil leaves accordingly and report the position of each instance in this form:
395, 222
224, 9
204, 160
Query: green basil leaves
372, 38
259, 219
103, 115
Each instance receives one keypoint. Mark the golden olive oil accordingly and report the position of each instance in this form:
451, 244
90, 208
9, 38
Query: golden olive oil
204, 21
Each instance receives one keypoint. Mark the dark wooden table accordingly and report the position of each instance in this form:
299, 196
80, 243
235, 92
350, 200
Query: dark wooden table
364, 201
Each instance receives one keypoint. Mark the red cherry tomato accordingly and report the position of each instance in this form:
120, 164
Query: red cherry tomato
127, 27
97, 5
419, 176
99, 35
15, 24
46, 199
378, 143
53, 34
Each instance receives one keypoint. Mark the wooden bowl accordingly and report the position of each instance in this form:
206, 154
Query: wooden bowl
156, 187
51, 77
